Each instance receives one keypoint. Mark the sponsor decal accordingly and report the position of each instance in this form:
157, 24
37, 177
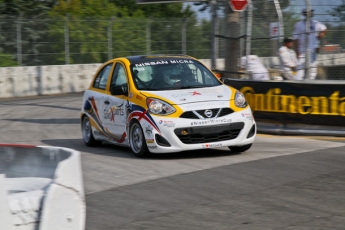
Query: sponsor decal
274, 101
212, 145
195, 93
130, 95
210, 121
96, 118
139, 97
183, 99
148, 130
247, 116
167, 123
112, 112
150, 63
210, 92
150, 141
152, 146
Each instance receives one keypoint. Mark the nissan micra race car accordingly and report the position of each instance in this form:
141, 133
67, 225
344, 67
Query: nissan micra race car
164, 104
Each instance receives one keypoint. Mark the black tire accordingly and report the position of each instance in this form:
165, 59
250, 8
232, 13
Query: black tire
86, 131
137, 140
240, 149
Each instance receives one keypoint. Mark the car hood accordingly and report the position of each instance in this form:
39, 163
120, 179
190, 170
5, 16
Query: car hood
183, 96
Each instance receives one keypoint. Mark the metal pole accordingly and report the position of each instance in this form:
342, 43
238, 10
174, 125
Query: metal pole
148, 37
242, 28
307, 49
66, 40
216, 42
249, 33
19, 39
280, 21
110, 38
213, 40
184, 36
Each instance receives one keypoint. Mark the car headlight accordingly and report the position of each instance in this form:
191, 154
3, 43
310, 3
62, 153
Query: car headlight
240, 100
159, 107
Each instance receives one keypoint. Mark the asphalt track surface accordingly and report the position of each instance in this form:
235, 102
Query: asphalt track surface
280, 183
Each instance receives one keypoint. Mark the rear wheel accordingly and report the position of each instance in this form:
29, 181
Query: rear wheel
86, 130
137, 140
239, 149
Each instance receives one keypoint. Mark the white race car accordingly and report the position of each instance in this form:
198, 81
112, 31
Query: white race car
163, 104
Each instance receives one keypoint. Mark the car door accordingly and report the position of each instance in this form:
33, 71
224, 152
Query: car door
114, 110
96, 95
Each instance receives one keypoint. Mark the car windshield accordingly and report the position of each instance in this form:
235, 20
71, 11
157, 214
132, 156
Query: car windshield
171, 74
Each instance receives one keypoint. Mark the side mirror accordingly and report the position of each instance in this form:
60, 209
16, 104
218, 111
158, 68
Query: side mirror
119, 90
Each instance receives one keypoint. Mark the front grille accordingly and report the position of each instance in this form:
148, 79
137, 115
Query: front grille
220, 112
225, 111
209, 134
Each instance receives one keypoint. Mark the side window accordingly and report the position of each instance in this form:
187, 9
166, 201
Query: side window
119, 76
102, 77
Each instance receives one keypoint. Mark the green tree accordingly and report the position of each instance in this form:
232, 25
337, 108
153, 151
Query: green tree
167, 10
88, 21
25, 14
7, 60
339, 12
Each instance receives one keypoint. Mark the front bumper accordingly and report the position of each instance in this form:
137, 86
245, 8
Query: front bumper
179, 134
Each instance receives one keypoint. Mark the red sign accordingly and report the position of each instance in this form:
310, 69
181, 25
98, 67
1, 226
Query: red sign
238, 5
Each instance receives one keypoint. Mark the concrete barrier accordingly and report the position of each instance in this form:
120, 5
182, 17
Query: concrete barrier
41, 188
45, 80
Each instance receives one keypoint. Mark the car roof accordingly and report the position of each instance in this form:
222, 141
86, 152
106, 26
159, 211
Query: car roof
154, 57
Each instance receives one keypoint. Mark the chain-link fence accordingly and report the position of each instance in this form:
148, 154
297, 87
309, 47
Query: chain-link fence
75, 40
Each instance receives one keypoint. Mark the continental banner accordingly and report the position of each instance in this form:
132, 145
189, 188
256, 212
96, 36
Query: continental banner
314, 103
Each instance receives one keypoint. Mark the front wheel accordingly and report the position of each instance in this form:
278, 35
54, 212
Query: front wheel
86, 130
137, 140
239, 149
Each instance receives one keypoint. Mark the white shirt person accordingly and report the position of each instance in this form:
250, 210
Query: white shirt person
288, 60
317, 32
255, 67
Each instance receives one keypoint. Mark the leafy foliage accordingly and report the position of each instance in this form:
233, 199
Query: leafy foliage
339, 12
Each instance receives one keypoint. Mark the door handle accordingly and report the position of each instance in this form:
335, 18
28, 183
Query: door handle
106, 102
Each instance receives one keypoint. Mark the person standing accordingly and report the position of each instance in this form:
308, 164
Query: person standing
288, 60
317, 32
257, 70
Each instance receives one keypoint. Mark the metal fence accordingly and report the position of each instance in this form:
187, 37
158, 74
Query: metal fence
74, 40
265, 42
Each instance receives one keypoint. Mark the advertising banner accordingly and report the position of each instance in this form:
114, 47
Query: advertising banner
310, 103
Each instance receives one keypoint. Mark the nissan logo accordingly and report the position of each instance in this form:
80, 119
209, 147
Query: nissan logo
208, 113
